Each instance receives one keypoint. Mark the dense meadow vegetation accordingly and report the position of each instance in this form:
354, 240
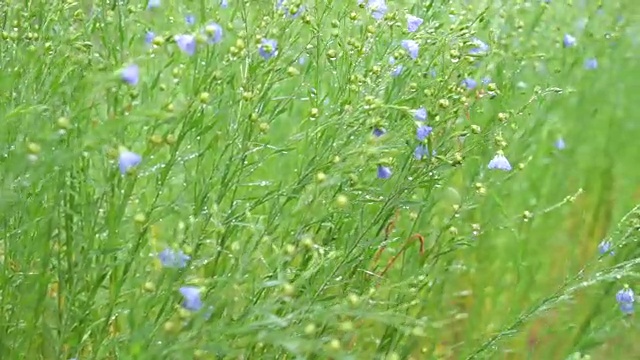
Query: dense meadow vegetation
319, 179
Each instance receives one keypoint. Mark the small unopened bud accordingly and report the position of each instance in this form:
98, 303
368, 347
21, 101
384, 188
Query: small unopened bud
288, 289
353, 299
334, 344
204, 97
64, 122
34, 148
342, 201
140, 218
346, 326
171, 327
171, 139
310, 329
290, 249
149, 286
156, 139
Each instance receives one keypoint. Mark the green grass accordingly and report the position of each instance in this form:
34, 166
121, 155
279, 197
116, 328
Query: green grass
264, 173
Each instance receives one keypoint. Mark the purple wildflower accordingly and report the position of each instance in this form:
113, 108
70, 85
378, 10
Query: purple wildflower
192, 299
396, 70
224, 3
413, 23
480, 47
423, 131
591, 64
559, 144
420, 114
604, 247
378, 131
486, 80
499, 162
153, 4
214, 33
412, 47
149, 36
128, 160
568, 41
131, 74
420, 151
378, 8
173, 259
190, 19
186, 43
469, 83
268, 48
625, 299
384, 172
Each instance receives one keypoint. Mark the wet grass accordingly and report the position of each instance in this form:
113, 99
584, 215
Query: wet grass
264, 176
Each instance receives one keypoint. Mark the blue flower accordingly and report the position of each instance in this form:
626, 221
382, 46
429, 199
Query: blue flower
605, 247
377, 132
423, 131
190, 19
591, 64
378, 8
128, 160
420, 151
420, 114
413, 23
625, 299
499, 162
559, 144
568, 41
224, 3
214, 33
149, 36
131, 74
626, 308
384, 172
480, 47
396, 70
486, 80
469, 83
153, 4
192, 299
186, 43
412, 47
173, 259
268, 48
